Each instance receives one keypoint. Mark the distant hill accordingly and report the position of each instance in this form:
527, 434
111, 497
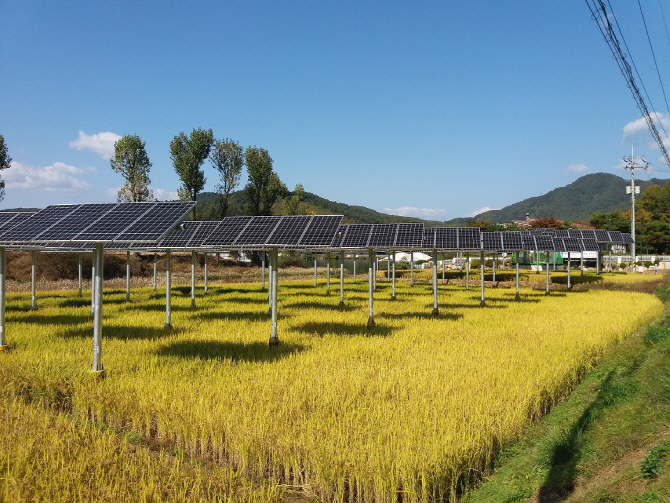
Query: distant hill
317, 205
577, 201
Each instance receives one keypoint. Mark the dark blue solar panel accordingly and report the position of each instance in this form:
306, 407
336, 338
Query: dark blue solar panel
358, 236
320, 231
226, 232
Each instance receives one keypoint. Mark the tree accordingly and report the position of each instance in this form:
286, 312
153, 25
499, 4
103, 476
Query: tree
5, 162
546, 223
131, 160
187, 154
292, 201
227, 157
264, 186
620, 222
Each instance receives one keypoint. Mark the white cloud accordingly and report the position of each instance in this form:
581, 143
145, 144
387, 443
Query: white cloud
640, 126
413, 211
58, 177
101, 143
577, 168
480, 210
164, 195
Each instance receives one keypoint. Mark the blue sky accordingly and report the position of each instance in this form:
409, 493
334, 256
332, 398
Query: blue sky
431, 109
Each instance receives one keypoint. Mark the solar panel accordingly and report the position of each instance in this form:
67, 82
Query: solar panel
205, 228
337, 240
320, 231
572, 244
562, 233
179, 238
446, 238
258, 231
589, 234
81, 218
357, 236
114, 222
602, 236
429, 238
544, 242
409, 236
512, 241
616, 237
627, 238
469, 238
559, 245
39, 222
528, 241
289, 231
226, 232
575, 233
590, 245
492, 241
383, 235
154, 223
9, 219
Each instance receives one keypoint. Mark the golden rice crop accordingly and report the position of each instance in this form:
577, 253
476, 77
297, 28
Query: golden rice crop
411, 408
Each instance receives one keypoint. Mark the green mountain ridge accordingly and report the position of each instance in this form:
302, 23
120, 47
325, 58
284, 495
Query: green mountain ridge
578, 200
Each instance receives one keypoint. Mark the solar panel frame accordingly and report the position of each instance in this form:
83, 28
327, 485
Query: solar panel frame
226, 232
589, 244
492, 241
358, 236
383, 235
156, 222
428, 239
37, 224
77, 221
469, 238
512, 241
616, 237
572, 244
409, 235
602, 236
627, 238
545, 242
320, 231
529, 242
446, 238
289, 231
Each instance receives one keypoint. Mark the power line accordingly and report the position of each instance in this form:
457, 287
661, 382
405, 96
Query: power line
665, 23
599, 14
651, 47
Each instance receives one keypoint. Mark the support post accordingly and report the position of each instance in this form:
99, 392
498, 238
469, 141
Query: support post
435, 311
3, 269
467, 271
263, 270
328, 274
411, 268
93, 268
388, 266
517, 275
274, 339
168, 288
393, 279
495, 261
205, 293
155, 269
33, 281
127, 275
314, 269
341, 279
193, 278
374, 271
481, 266
546, 255
598, 261
81, 273
569, 286
97, 367
371, 319
443, 267
354, 267
581, 264
271, 267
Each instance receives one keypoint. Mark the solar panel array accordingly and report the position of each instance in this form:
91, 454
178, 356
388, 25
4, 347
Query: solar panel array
492, 241
109, 222
453, 238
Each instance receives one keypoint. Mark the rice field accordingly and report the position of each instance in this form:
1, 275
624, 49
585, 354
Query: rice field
411, 410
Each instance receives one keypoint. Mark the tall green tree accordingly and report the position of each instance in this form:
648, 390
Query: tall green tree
5, 162
187, 154
131, 160
292, 201
227, 157
264, 187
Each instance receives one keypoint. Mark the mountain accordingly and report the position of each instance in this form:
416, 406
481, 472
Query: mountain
577, 201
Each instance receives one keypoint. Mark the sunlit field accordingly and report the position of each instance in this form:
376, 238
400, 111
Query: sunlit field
408, 410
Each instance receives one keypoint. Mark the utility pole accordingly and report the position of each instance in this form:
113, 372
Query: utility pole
632, 190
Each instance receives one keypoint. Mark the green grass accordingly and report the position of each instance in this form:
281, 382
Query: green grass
609, 441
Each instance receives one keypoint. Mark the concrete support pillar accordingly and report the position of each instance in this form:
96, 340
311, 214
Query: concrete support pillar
393, 279
97, 367
263, 271
569, 285
411, 269
80, 271
93, 267
205, 292
328, 274
33, 280
3, 273
128, 276
481, 255
342, 279
193, 259
467, 271
155, 269
354, 268
274, 339
168, 288
546, 254
517, 274
271, 268
371, 318
315, 269
435, 308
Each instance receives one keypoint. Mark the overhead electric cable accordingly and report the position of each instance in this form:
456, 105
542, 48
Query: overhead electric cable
599, 14
665, 23
651, 47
